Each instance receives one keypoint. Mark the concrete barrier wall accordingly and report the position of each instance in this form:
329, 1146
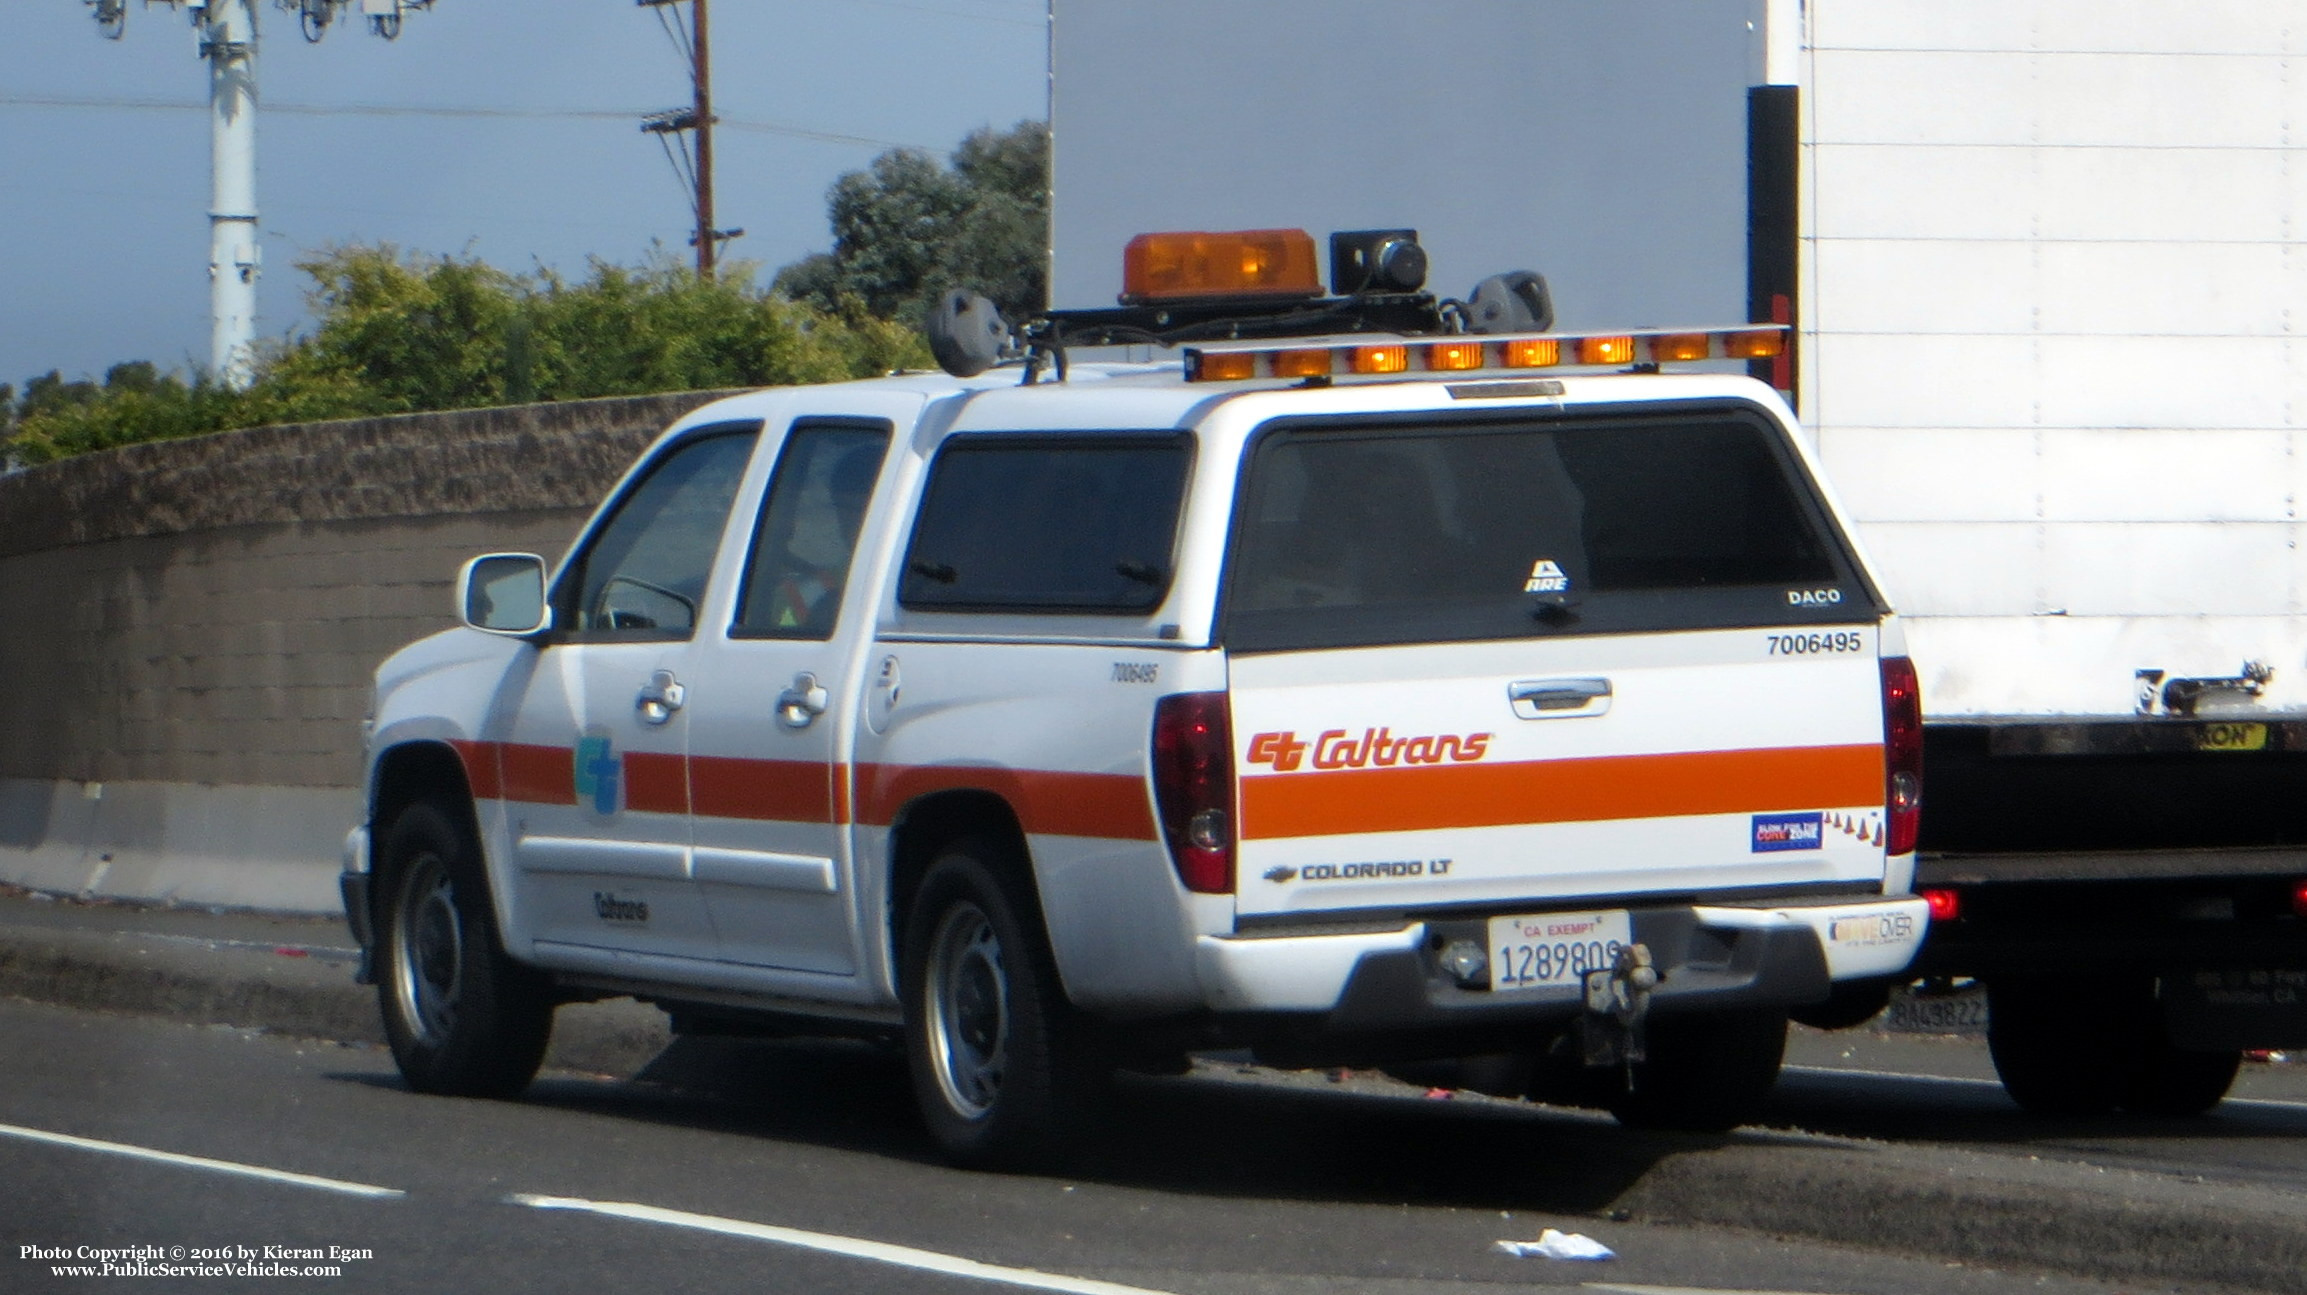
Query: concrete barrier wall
191, 626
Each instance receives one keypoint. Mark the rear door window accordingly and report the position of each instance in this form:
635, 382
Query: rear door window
1047, 523
1365, 535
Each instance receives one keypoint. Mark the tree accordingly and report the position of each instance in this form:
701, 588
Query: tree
907, 228
399, 333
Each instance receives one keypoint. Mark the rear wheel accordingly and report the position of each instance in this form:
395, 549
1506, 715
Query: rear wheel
2088, 1047
2057, 1044
1000, 1070
2166, 1080
462, 1018
1707, 1071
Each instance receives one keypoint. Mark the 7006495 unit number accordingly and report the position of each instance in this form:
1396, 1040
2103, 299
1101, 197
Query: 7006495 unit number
1541, 950
1811, 644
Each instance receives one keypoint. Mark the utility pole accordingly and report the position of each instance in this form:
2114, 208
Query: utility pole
228, 41
702, 64
693, 159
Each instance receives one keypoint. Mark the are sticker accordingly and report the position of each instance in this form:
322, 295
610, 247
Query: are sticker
1547, 577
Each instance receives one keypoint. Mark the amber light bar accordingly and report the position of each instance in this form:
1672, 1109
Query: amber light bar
1316, 358
1235, 263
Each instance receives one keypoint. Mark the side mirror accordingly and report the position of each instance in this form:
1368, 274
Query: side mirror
504, 593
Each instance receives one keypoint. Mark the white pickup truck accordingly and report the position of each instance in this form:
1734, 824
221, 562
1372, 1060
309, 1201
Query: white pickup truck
1354, 697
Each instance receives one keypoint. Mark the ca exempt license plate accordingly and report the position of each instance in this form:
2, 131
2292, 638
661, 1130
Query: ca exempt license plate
1545, 950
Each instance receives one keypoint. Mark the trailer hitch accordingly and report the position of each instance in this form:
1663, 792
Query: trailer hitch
1617, 1006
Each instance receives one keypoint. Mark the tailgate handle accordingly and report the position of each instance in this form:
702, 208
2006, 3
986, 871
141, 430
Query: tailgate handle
1559, 698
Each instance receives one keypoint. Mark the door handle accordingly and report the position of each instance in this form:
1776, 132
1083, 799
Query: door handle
800, 705
663, 695
1559, 698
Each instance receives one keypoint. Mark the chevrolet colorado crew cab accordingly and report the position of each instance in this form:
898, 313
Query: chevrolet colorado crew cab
1353, 699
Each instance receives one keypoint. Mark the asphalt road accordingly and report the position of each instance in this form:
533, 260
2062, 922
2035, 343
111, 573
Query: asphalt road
1941, 1091
798, 1168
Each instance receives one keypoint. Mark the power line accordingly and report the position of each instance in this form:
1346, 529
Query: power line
422, 110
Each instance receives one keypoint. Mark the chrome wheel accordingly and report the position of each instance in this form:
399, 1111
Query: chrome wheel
428, 950
968, 1008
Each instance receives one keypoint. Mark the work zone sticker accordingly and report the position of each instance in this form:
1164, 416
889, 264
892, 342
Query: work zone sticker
1775, 832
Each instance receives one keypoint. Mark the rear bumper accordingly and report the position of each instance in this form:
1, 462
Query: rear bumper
1708, 956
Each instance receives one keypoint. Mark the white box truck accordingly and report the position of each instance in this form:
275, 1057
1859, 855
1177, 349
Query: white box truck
2042, 260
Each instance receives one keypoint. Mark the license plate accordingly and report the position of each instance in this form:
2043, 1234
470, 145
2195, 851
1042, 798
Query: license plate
1549, 950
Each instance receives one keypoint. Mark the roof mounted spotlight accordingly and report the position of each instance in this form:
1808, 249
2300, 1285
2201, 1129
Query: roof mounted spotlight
1513, 302
966, 333
1376, 260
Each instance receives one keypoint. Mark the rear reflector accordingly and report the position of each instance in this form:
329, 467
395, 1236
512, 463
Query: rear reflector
1902, 743
1946, 905
1193, 767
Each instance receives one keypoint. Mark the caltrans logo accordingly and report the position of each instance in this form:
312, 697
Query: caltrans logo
600, 773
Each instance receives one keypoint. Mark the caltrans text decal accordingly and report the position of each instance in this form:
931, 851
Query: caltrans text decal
1337, 749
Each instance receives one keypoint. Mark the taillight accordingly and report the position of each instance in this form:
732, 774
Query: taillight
1902, 743
1193, 767
2299, 898
1946, 905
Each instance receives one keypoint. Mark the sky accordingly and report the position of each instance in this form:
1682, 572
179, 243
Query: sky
502, 129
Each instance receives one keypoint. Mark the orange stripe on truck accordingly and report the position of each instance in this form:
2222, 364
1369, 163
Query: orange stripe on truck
1116, 806
1048, 802
1431, 797
787, 790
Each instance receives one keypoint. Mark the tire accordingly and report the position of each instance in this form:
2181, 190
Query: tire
1708, 1072
462, 1018
2089, 1047
2170, 1081
2057, 1045
1000, 1070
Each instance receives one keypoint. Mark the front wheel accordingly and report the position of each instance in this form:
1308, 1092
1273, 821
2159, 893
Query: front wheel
998, 1070
462, 1018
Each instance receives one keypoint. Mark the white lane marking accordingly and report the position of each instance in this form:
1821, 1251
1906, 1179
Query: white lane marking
1832, 1072
854, 1247
1616, 1289
197, 1162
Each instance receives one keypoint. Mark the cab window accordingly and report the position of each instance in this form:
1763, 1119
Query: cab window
643, 575
1081, 523
807, 535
